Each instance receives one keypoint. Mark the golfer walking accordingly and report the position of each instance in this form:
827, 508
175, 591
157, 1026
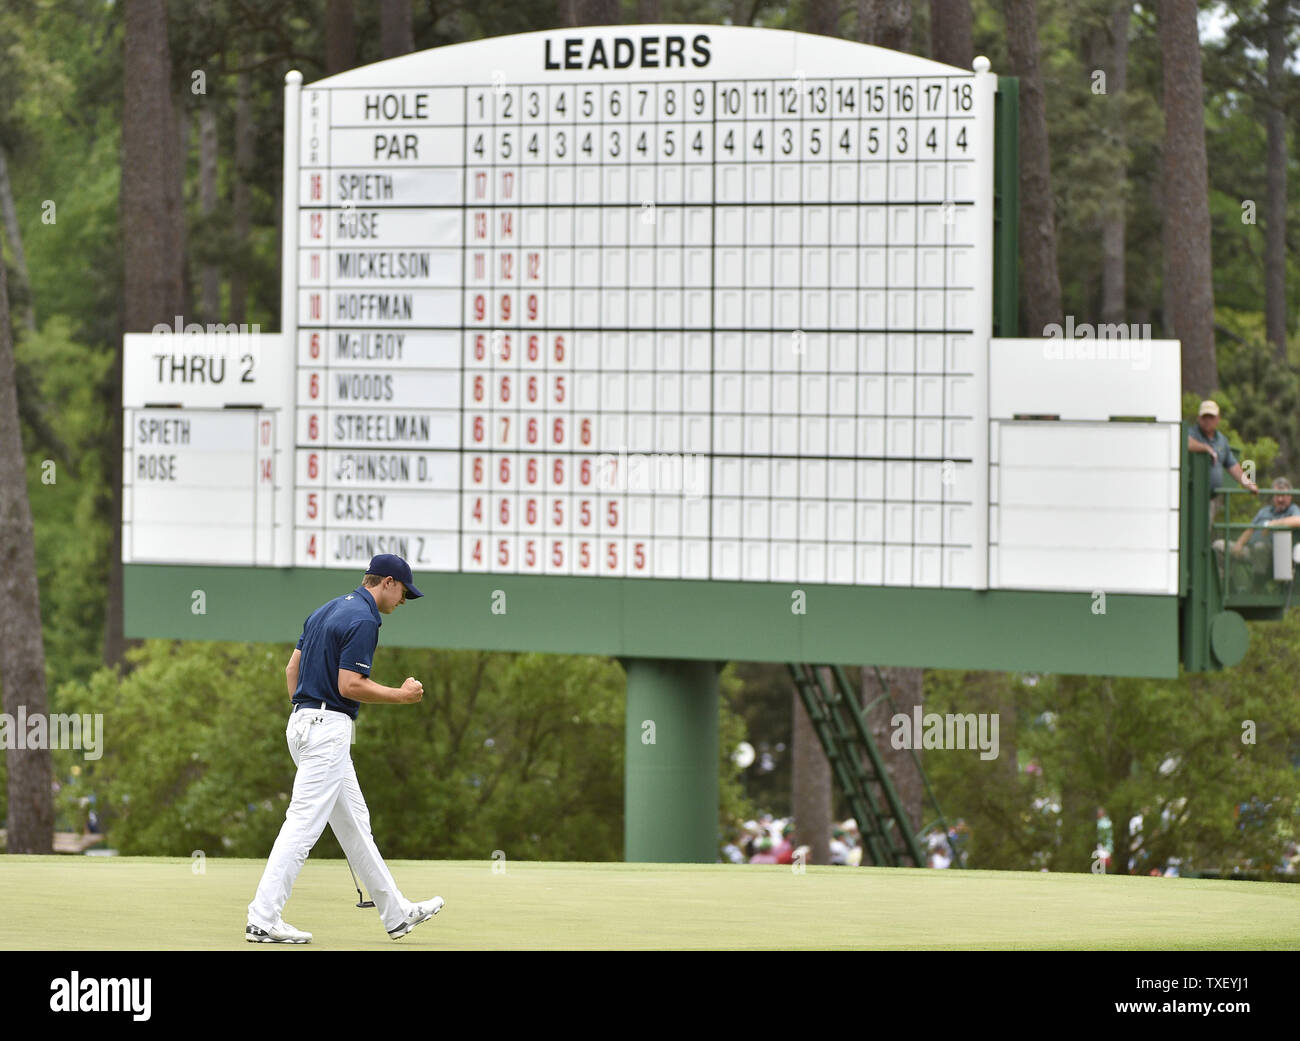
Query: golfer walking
328, 677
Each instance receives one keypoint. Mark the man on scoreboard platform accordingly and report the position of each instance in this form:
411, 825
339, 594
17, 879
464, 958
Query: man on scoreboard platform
1205, 436
328, 677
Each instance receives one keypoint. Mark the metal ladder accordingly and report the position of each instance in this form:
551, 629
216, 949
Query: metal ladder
858, 768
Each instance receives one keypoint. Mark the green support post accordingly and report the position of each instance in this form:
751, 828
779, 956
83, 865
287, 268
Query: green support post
671, 781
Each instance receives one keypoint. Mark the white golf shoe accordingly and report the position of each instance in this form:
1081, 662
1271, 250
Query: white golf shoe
281, 932
418, 913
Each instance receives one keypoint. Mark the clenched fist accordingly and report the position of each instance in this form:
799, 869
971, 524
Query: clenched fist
412, 691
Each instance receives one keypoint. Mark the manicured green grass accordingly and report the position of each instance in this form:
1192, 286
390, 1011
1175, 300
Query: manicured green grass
120, 903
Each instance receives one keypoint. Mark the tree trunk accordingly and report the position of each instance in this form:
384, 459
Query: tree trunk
885, 23
1078, 830
1113, 220
22, 649
209, 272
152, 260
1189, 289
15, 235
340, 37
1078, 817
1275, 220
1123, 837
811, 788
396, 35
1040, 281
180, 160
950, 33
907, 690
649, 12
823, 17
596, 12
894, 26
240, 208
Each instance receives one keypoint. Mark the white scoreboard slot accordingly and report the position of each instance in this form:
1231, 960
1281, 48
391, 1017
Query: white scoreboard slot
381, 348
343, 468
352, 548
199, 486
393, 388
1085, 506
196, 366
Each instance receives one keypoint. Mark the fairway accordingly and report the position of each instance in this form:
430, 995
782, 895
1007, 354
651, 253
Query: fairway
93, 903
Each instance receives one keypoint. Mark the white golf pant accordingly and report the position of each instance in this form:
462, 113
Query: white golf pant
324, 791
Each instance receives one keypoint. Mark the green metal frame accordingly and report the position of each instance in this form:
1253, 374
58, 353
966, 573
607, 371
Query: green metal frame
840, 726
1212, 631
651, 618
1258, 604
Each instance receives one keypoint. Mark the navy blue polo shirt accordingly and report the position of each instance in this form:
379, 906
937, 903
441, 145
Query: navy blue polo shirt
341, 634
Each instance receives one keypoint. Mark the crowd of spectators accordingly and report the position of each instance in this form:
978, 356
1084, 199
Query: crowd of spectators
770, 840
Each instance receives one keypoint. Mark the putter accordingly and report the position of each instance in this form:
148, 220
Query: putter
361, 901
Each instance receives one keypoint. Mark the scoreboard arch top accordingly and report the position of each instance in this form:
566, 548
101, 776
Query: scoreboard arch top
643, 52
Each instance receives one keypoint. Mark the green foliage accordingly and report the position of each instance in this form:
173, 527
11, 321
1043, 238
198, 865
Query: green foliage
764, 698
1236, 100
1264, 392
71, 538
734, 803
189, 761
64, 150
995, 797
517, 752
522, 753
1179, 753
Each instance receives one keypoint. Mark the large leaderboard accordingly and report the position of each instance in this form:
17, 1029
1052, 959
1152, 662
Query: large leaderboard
689, 304
677, 340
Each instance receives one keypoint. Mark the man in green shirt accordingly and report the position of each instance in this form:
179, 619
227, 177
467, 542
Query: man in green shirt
1204, 436
1254, 544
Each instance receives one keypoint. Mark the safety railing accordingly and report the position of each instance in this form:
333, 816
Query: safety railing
1261, 573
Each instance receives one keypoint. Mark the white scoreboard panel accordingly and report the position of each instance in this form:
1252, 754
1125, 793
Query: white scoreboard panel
688, 302
198, 486
202, 413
